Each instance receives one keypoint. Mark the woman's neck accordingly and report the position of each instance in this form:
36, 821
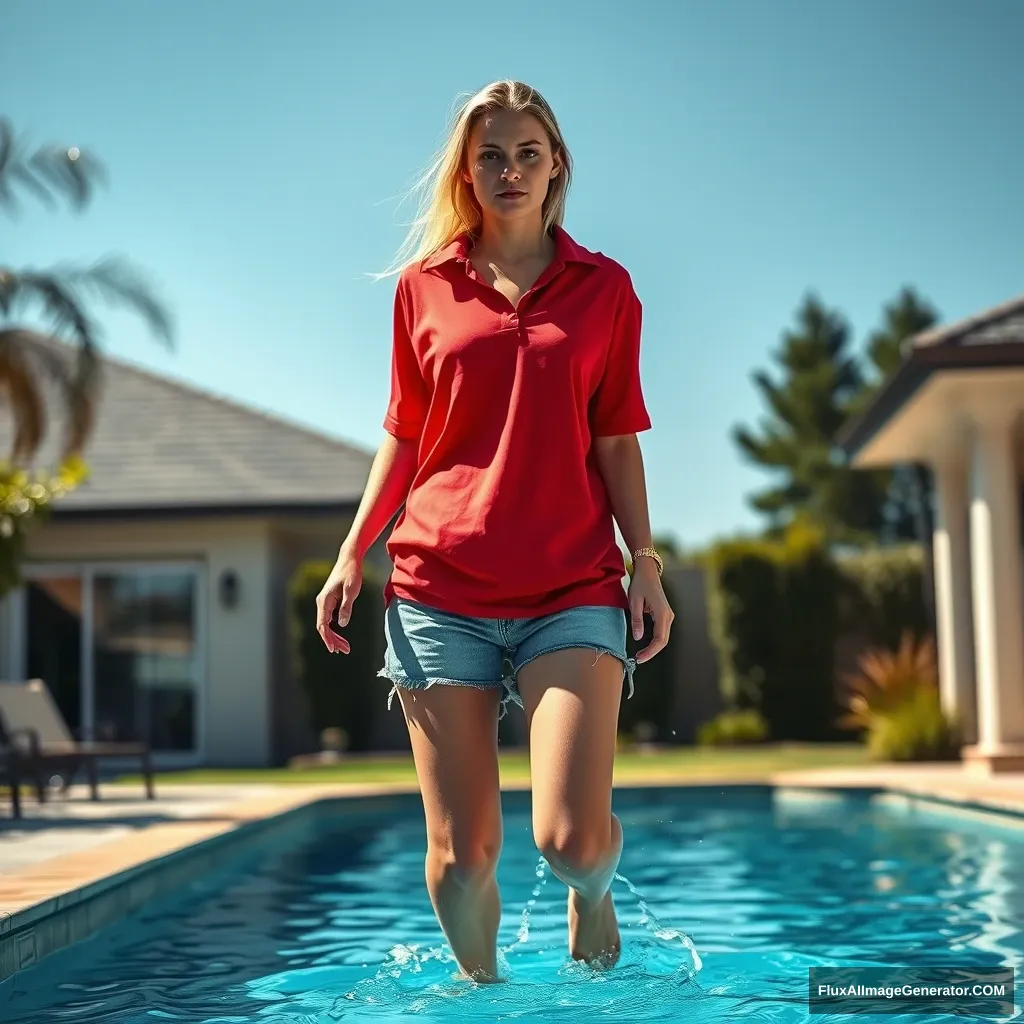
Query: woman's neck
514, 241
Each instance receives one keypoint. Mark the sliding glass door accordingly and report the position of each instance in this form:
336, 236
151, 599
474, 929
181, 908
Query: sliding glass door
120, 647
53, 644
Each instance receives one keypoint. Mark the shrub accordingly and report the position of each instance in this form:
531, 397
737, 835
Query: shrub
894, 699
342, 689
778, 607
886, 680
917, 730
772, 609
731, 728
883, 593
26, 501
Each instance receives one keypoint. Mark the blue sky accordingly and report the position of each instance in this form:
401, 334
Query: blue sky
734, 156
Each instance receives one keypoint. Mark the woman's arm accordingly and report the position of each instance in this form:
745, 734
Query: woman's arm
387, 486
621, 464
622, 467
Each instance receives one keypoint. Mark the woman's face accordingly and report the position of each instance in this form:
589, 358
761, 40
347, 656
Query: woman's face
509, 164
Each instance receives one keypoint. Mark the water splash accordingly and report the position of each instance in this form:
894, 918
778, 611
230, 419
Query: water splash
661, 931
523, 934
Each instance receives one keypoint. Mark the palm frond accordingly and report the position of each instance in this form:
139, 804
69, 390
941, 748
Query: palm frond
70, 171
117, 281
20, 386
46, 171
76, 376
61, 293
60, 306
28, 361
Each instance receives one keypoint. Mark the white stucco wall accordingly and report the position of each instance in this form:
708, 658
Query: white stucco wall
235, 727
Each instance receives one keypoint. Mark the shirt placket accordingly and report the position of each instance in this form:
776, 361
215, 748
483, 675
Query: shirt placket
511, 319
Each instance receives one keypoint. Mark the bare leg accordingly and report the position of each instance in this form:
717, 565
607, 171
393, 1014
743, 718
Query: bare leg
454, 734
572, 702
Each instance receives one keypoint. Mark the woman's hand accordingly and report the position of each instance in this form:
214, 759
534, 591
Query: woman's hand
646, 594
338, 592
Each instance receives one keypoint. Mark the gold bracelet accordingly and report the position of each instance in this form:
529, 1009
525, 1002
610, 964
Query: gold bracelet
650, 553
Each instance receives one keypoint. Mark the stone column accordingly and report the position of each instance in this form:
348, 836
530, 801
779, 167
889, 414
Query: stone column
953, 615
997, 590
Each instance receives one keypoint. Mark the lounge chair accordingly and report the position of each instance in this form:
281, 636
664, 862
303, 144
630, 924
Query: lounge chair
37, 738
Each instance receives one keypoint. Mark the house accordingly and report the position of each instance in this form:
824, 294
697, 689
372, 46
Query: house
957, 404
155, 599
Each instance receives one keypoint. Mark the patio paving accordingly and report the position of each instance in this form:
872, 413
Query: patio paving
951, 781
70, 825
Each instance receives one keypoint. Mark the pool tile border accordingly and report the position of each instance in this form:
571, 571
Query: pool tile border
53, 904
60, 901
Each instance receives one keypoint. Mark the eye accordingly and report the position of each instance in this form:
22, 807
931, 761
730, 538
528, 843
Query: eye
489, 153
529, 153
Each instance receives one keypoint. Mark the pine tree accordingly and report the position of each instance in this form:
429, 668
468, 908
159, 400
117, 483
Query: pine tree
908, 512
820, 379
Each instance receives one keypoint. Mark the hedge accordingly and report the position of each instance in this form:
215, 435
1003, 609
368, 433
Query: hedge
342, 689
777, 608
883, 594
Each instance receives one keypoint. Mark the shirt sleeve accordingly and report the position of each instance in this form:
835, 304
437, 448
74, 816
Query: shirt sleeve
617, 406
407, 406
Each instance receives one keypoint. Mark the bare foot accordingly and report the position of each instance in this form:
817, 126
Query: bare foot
593, 931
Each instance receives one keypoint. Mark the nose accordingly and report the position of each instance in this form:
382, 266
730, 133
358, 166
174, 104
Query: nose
510, 173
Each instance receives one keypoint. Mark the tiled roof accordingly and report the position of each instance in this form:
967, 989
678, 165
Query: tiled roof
999, 325
991, 339
159, 444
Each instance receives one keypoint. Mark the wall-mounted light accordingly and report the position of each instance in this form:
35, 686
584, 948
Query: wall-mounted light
228, 588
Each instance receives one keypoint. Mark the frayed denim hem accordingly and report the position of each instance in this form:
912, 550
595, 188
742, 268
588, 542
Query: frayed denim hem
629, 664
422, 684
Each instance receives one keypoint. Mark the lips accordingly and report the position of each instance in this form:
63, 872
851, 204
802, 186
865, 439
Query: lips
511, 193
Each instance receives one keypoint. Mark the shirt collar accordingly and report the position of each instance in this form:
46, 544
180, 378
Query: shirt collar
457, 249
567, 250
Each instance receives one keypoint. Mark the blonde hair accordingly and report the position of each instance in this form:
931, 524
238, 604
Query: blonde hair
447, 206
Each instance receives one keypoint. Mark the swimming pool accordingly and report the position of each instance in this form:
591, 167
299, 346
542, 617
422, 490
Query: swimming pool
725, 898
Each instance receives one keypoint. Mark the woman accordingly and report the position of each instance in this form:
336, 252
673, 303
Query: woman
511, 439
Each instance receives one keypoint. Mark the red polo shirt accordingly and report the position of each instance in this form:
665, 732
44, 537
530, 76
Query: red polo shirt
508, 515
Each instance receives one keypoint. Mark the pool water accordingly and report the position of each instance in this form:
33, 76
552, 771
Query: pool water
725, 897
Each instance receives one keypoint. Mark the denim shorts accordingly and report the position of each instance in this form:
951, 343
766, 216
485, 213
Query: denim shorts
426, 645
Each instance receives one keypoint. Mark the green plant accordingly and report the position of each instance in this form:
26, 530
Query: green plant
25, 502
886, 680
732, 728
882, 593
917, 730
772, 612
343, 690
894, 699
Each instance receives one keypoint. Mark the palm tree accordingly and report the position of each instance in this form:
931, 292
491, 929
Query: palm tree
33, 361
29, 359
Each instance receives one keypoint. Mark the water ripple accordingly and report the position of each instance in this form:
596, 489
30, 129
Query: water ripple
724, 903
